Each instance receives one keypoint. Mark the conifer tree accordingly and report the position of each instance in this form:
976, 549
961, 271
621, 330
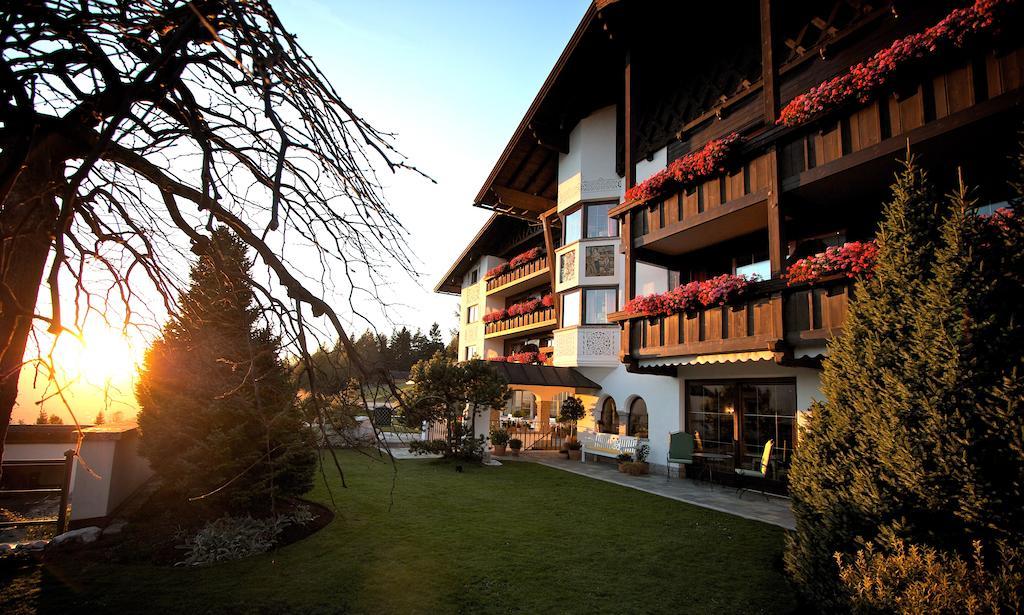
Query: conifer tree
920, 436
218, 407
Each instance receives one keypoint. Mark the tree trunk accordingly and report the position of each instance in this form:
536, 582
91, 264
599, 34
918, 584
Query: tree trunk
27, 220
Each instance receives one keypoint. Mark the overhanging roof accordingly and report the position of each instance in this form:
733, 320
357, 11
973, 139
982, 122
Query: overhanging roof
524, 181
543, 375
495, 236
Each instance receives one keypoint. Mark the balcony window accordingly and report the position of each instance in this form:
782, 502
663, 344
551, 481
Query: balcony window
573, 226
761, 269
571, 309
651, 278
472, 314
598, 222
473, 277
600, 261
600, 302
471, 353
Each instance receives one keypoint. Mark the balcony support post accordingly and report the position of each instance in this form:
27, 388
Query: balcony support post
549, 247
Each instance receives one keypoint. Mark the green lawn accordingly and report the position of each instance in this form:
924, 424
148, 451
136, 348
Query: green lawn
522, 538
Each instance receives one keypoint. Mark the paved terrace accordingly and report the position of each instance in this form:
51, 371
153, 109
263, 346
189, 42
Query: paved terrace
752, 505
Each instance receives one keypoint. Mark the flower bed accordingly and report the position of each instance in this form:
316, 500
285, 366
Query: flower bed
850, 259
514, 263
520, 309
686, 171
863, 80
719, 290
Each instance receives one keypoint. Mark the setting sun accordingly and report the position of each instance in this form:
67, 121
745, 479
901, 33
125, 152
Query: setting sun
103, 356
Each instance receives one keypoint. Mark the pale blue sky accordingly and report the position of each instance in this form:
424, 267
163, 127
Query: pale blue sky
453, 79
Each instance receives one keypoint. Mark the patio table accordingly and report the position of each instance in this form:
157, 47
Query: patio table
708, 459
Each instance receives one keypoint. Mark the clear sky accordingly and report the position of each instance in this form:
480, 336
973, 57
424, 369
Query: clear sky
452, 79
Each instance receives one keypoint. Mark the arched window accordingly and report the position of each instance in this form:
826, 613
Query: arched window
638, 418
609, 417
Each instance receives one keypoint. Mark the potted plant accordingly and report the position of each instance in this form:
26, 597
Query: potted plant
641, 464
499, 438
623, 459
570, 412
575, 450
515, 444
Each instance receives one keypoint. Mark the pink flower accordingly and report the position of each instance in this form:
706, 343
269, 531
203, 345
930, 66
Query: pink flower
861, 81
850, 259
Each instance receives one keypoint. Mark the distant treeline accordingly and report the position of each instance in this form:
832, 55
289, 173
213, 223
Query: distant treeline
397, 353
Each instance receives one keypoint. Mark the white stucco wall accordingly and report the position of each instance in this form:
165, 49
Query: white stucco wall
661, 394
646, 168
587, 172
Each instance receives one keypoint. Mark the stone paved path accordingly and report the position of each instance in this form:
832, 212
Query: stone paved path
774, 510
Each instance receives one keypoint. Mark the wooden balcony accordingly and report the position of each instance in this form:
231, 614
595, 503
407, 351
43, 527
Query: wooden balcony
772, 313
915, 111
521, 324
519, 277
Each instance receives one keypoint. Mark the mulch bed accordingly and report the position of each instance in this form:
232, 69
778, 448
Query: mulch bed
163, 521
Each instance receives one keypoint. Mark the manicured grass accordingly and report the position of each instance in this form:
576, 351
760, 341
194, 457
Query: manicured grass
521, 538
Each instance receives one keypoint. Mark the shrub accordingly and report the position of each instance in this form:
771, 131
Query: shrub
642, 452
920, 579
499, 436
624, 458
920, 436
231, 538
428, 447
574, 445
515, 444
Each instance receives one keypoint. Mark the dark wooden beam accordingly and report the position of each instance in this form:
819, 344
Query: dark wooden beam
549, 247
770, 88
550, 138
629, 124
522, 200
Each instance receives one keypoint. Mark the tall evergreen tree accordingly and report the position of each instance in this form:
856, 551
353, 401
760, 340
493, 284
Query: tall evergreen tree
218, 407
920, 436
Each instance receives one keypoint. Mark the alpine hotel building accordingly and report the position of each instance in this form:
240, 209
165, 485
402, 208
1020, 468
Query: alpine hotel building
703, 148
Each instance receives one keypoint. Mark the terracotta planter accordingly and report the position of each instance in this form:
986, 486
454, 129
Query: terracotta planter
499, 450
575, 455
515, 452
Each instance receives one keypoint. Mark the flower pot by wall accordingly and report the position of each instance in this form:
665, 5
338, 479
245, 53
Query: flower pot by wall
499, 450
515, 452
575, 455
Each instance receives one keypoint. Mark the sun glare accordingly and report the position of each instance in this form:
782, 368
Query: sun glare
103, 356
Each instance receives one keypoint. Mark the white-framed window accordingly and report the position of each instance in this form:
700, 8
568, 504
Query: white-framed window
472, 314
573, 227
471, 353
571, 309
598, 303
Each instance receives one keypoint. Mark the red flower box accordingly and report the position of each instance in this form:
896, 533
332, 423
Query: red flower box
690, 297
862, 80
850, 259
520, 309
514, 263
687, 171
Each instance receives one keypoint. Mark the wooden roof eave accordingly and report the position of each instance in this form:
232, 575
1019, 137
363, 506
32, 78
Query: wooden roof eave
524, 125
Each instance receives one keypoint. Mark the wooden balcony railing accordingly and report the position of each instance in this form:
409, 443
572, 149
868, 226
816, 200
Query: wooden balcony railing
771, 313
541, 317
530, 268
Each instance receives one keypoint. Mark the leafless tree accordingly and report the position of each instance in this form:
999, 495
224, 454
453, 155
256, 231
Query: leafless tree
130, 128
